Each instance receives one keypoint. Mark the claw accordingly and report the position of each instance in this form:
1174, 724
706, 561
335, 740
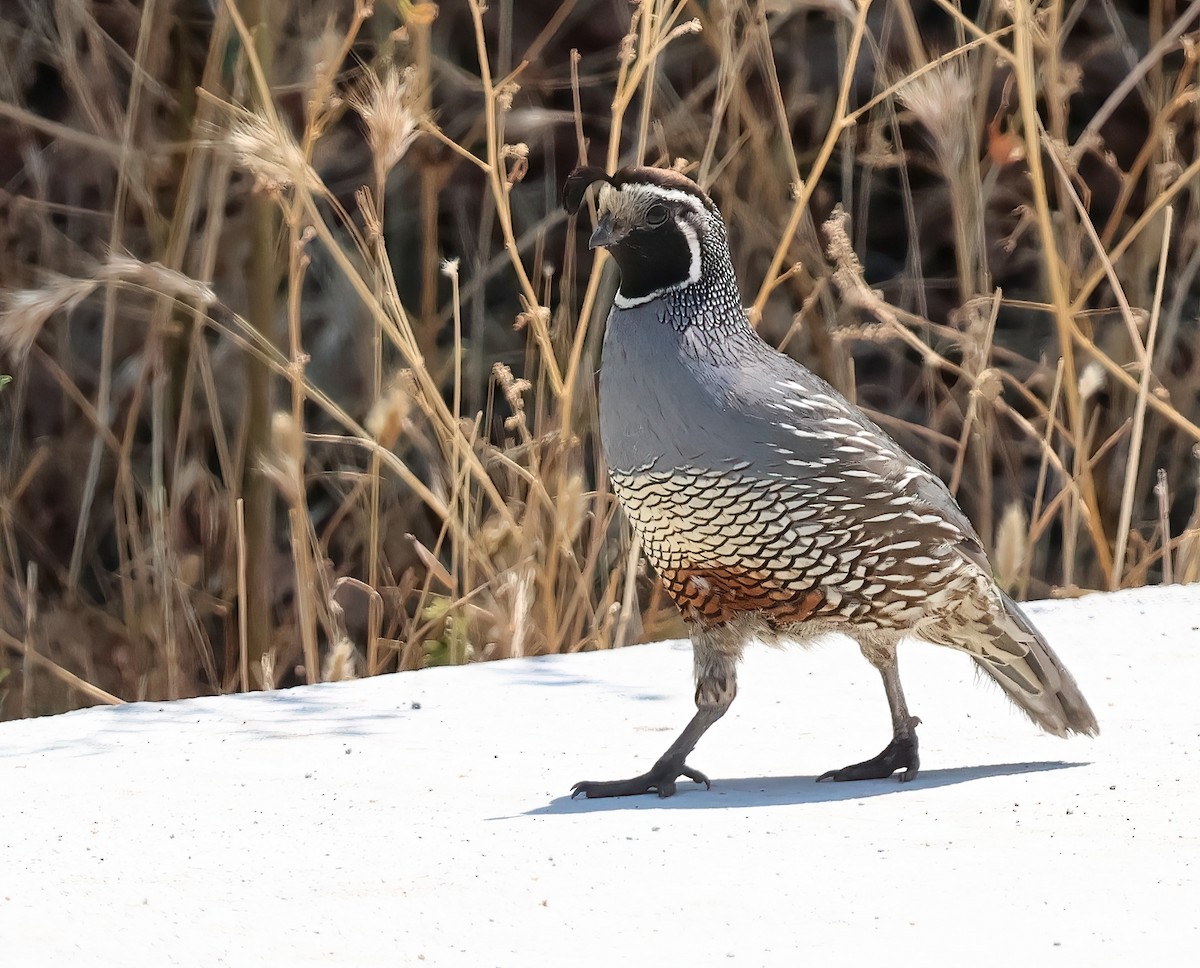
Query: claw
660, 780
899, 754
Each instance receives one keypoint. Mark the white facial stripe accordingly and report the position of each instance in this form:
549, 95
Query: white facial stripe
669, 194
693, 241
622, 302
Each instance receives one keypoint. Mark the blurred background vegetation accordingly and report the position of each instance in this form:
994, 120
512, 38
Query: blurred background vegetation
303, 349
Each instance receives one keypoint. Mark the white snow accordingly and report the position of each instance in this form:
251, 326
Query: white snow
423, 818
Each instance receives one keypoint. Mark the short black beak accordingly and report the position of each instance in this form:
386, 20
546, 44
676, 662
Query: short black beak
606, 233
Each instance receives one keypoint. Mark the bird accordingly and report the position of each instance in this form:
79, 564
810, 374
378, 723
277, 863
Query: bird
771, 508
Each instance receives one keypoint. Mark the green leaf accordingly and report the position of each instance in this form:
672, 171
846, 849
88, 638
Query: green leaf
452, 646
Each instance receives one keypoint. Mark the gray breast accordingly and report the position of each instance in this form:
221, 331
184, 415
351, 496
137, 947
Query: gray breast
663, 404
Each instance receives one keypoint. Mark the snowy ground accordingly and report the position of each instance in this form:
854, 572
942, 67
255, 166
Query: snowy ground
423, 818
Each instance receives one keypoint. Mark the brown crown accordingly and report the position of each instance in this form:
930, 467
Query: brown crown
580, 179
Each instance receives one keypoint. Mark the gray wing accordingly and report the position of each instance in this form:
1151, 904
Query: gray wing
802, 428
853, 515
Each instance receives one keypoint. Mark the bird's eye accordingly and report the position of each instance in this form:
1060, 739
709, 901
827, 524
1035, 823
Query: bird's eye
656, 215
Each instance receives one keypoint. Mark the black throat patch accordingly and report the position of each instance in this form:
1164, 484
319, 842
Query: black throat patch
653, 260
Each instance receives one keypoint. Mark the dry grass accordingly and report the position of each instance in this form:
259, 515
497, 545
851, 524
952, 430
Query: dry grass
303, 348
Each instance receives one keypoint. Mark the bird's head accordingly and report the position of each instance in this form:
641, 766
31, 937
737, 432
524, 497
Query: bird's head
657, 224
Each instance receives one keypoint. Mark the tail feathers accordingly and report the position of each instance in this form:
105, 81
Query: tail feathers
1016, 656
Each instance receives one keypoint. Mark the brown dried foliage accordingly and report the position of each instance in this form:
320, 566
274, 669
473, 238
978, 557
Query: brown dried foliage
303, 348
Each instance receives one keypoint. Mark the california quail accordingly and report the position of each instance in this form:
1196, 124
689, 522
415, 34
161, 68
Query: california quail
770, 506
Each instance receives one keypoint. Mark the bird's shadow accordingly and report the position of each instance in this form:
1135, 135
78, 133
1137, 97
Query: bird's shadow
771, 791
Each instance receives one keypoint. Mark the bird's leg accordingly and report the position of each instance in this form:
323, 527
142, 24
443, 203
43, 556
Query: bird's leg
901, 752
661, 777
716, 651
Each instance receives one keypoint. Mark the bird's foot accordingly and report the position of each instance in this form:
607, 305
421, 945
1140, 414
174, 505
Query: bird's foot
899, 754
660, 779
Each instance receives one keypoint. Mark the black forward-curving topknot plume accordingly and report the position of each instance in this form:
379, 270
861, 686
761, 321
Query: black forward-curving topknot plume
577, 184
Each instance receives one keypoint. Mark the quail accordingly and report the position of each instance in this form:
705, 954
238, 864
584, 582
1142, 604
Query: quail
771, 507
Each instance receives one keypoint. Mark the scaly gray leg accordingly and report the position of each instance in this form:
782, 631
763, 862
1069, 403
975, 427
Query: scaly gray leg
716, 652
901, 752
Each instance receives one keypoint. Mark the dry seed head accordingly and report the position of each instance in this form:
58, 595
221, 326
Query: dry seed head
499, 540
324, 54
1070, 79
628, 49
282, 463
518, 154
25, 311
514, 392
390, 414
848, 272
571, 509
281, 472
972, 320
943, 101
196, 490
1011, 545
268, 670
1165, 174
539, 314
840, 250
989, 385
692, 26
286, 435
387, 106
512, 386
155, 276
1091, 381
505, 93
341, 663
866, 331
515, 589
269, 153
